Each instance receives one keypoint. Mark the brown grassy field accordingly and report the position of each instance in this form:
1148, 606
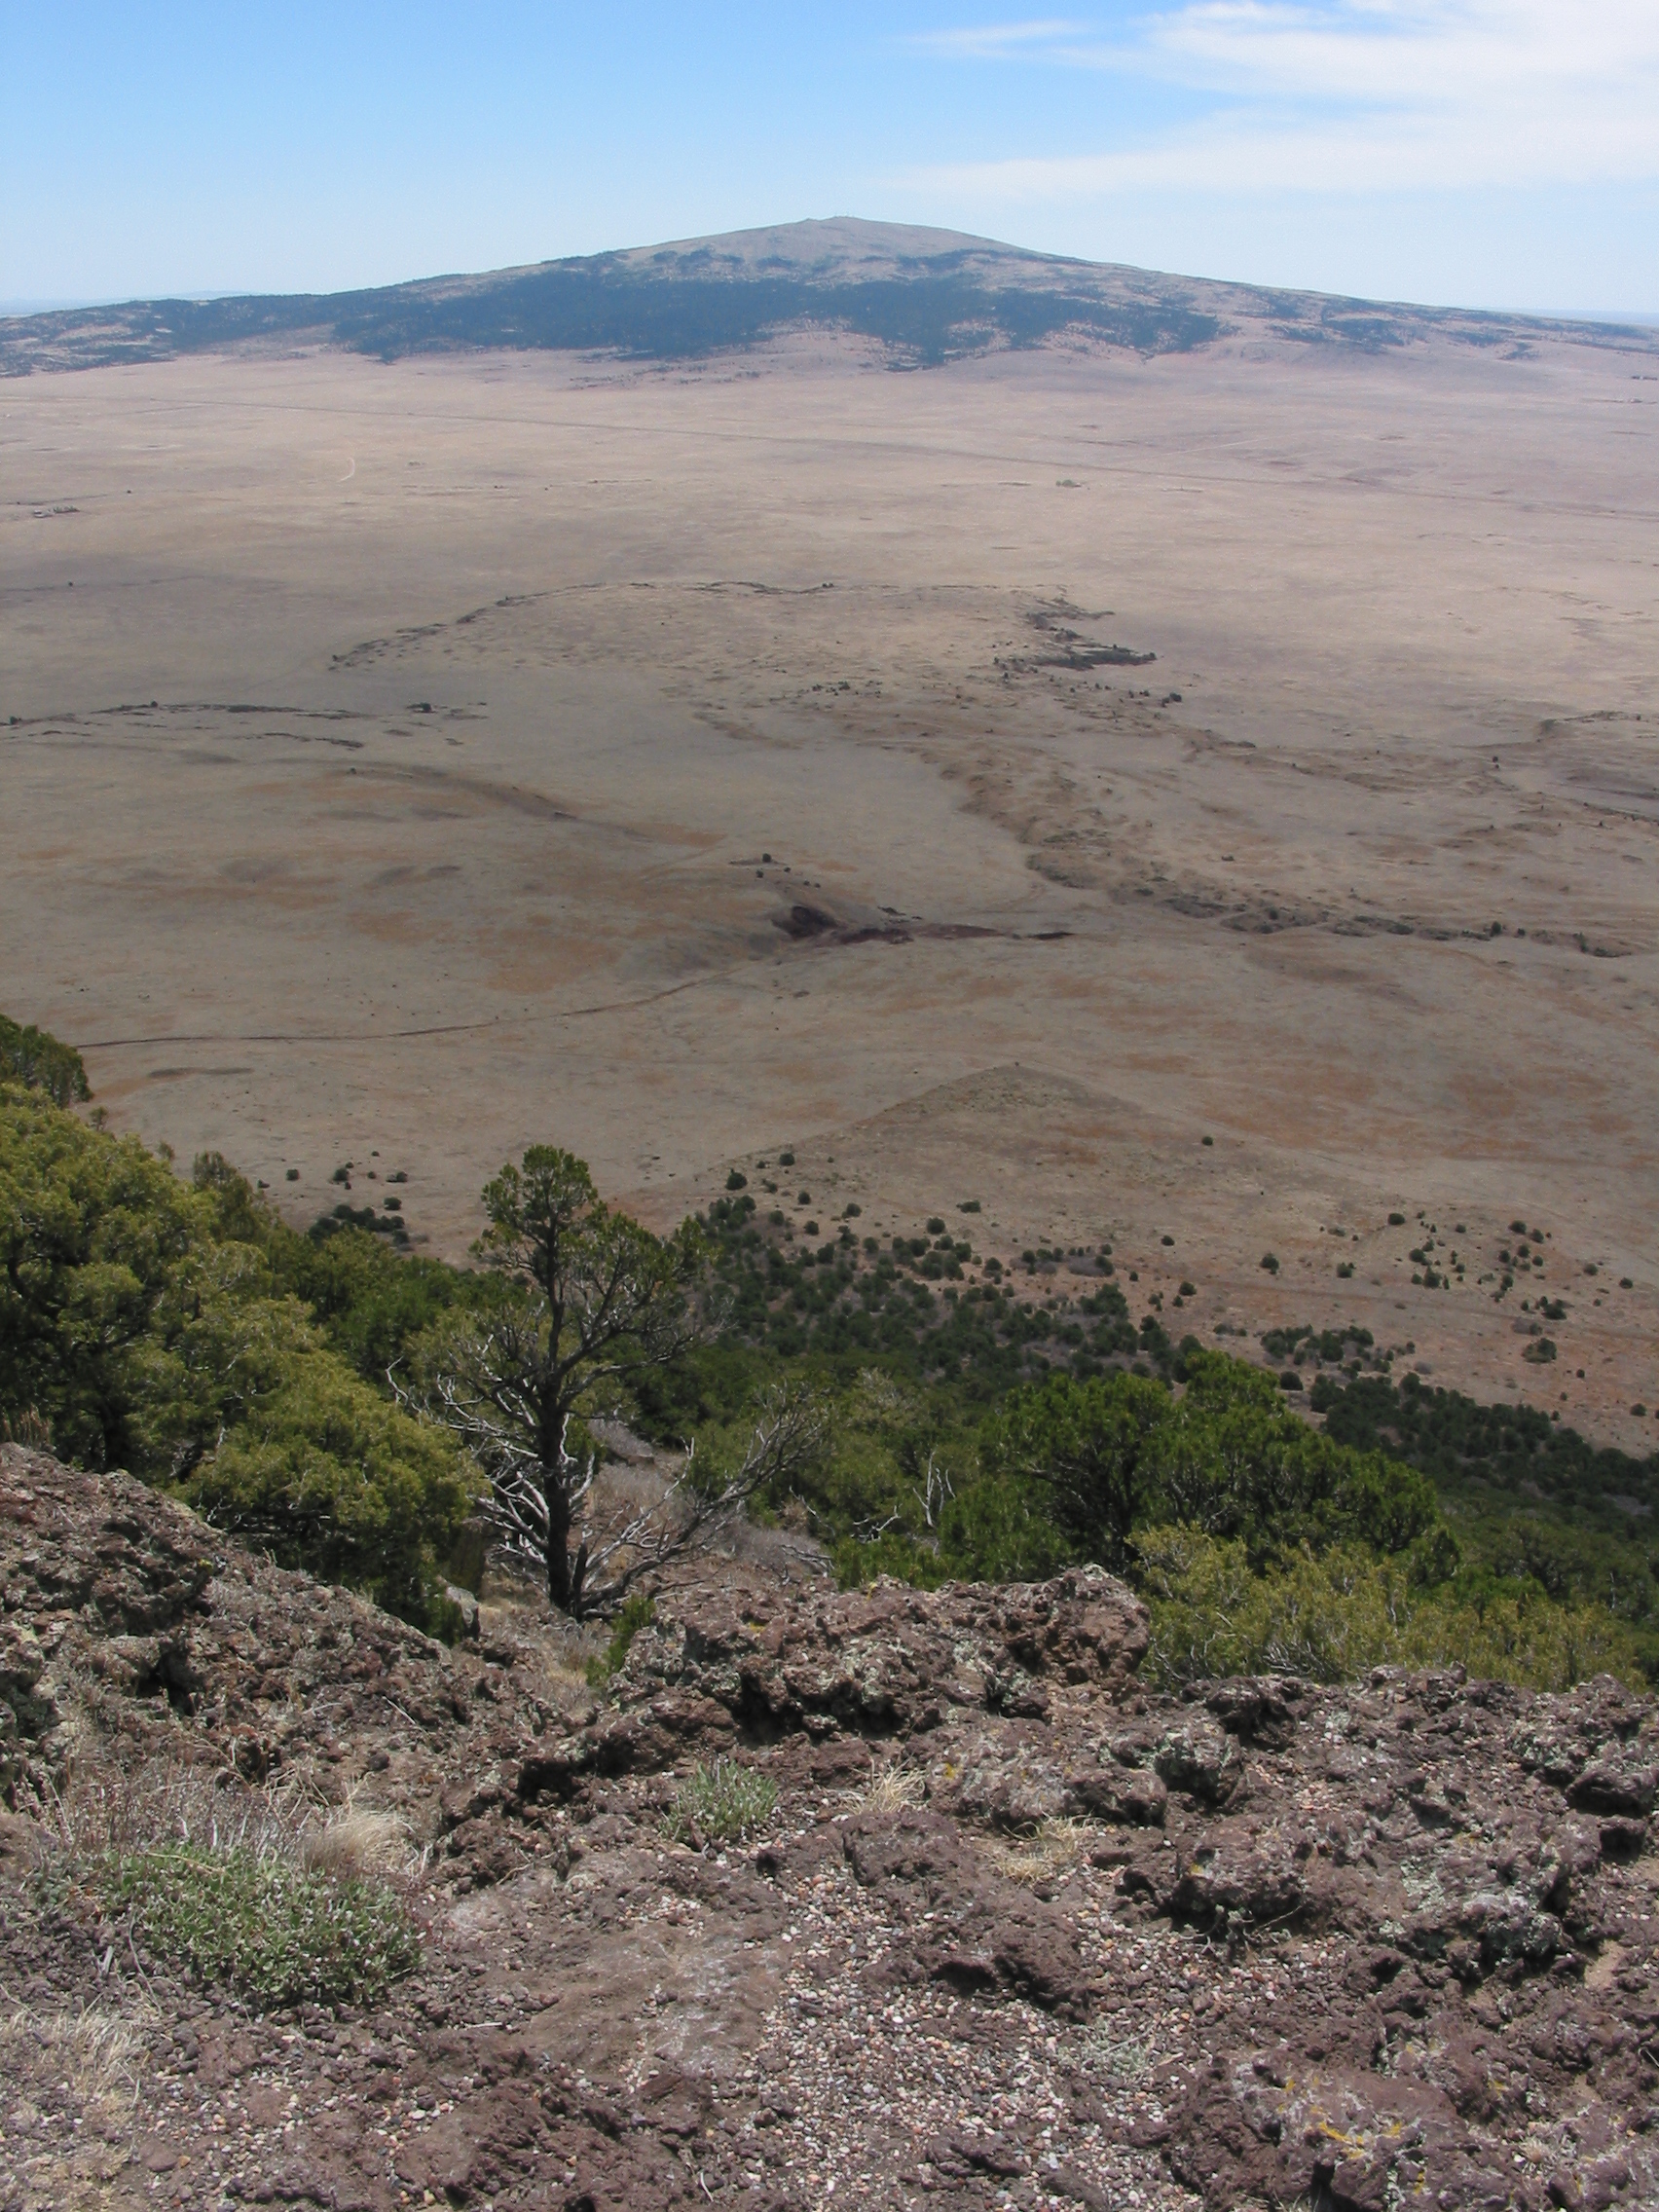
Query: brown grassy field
402, 764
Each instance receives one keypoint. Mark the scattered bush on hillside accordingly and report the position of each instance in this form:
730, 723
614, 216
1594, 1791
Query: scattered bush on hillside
185, 1332
1506, 1450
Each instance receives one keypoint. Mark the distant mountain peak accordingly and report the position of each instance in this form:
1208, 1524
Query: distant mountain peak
924, 297
835, 248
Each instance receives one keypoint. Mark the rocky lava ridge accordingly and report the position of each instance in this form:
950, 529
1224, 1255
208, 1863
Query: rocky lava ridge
1020, 1930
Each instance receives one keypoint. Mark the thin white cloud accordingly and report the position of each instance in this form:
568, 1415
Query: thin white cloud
995, 42
1361, 94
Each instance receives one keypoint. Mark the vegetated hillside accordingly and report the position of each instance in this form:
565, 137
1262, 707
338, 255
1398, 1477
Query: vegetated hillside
970, 1420
926, 295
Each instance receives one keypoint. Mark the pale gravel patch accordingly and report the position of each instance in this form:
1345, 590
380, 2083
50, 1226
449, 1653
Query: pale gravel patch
861, 2083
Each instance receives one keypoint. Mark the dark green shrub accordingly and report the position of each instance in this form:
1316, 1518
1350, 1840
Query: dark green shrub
1083, 1447
36, 1059
736, 1180
146, 1323
1269, 1261
1232, 1459
1002, 1531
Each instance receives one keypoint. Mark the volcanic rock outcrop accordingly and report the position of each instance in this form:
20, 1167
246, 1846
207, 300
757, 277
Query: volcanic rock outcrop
1018, 1929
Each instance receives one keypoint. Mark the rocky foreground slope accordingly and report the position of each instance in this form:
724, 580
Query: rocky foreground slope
1019, 1932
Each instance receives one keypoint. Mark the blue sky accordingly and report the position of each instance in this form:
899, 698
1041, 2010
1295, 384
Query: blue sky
1444, 150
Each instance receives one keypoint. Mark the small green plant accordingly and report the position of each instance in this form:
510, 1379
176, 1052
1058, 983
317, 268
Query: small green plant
1345, 1268
1396, 1221
262, 1926
1269, 1261
720, 1804
968, 1205
737, 1180
935, 1224
638, 1612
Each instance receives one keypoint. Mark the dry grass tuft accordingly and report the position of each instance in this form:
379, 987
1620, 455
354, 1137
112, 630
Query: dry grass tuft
106, 1810
1043, 1854
358, 1846
894, 1788
94, 2055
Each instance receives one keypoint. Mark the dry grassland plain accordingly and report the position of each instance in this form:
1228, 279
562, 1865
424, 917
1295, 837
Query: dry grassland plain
402, 764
